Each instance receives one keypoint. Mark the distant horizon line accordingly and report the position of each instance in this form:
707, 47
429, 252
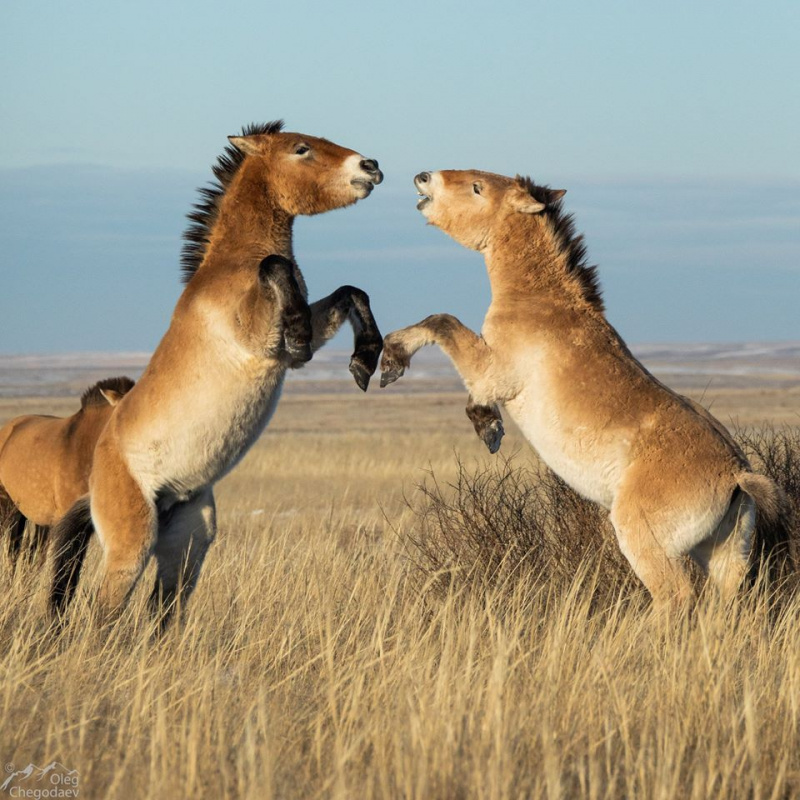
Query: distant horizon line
146, 354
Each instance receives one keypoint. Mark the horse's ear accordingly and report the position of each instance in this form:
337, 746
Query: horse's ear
522, 202
244, 144
112, 396
556, 194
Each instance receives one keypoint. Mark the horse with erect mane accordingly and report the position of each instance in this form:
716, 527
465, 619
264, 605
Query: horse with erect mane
671, 475
214, 380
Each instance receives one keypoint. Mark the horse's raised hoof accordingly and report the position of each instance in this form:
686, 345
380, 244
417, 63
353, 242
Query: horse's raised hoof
492, 435
360, 373
391, 375
299, 352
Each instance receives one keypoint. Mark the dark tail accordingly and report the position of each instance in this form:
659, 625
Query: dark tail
13, 521
774, 527
71, 536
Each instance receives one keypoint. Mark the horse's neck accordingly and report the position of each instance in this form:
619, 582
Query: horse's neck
528, 270
239, 245
249, 227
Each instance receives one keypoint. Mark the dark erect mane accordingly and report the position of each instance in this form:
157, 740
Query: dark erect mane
571, 243
94, 397
204, 214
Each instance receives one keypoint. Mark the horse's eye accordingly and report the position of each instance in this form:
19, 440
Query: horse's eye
476, 187
301, 149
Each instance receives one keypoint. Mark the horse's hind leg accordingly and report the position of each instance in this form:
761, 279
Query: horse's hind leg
665, 575
184, 536
725, 555
126, 525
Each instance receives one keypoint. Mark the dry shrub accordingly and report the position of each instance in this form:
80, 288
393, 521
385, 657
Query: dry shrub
775, 452
502, 522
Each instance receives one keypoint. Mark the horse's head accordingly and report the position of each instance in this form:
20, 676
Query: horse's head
305, 174
472, 206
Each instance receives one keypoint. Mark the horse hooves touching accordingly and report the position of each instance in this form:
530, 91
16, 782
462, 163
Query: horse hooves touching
360, 373
492, 436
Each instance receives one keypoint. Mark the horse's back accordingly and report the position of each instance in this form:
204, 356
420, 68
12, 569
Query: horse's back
45, 461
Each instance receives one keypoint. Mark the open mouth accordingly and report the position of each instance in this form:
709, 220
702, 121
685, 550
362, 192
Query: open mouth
363, 183
422, 182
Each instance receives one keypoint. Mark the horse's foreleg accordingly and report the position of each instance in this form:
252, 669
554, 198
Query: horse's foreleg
278, 274
470, 355
12, 521
330, 313
15, 524
184, 536
469, 352
273, 317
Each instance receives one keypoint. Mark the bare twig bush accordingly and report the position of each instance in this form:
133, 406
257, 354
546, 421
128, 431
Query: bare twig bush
775, 452
503, 522
506, 522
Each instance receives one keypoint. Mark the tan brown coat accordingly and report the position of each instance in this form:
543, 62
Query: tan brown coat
671, 476
45, 461
214, 380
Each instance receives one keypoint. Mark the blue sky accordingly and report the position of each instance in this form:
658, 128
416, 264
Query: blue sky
674, 128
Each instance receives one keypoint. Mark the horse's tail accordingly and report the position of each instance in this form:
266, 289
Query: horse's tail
774, 526
71, 536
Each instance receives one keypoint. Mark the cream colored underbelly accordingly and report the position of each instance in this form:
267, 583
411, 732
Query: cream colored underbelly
202, 439
591, 461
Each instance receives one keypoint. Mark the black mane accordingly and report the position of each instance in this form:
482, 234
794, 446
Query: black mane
571, 243
204, 214
94, 397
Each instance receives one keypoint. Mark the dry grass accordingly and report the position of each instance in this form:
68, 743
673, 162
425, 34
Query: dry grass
314, 661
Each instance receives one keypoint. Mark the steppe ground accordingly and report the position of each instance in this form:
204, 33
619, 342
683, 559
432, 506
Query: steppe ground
317, 660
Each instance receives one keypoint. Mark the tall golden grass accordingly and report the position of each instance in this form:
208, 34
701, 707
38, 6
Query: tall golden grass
325, 654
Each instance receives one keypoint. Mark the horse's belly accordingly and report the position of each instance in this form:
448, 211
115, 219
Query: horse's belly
590, 461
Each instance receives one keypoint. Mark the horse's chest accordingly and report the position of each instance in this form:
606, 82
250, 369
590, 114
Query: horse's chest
209, 437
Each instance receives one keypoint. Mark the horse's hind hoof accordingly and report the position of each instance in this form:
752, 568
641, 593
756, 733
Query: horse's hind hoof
390, 376
492, 435
360, 373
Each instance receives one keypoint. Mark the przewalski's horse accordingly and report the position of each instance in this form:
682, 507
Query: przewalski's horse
671, 475
215, 379
45, 462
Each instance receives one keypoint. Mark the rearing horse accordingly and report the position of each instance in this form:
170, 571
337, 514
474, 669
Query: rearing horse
672, 477
214, 381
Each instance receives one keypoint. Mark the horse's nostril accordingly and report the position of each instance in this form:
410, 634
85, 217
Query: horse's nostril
369, 165
423, 177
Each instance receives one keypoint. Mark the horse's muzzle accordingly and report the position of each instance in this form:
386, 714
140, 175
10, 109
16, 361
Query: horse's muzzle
370, 167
